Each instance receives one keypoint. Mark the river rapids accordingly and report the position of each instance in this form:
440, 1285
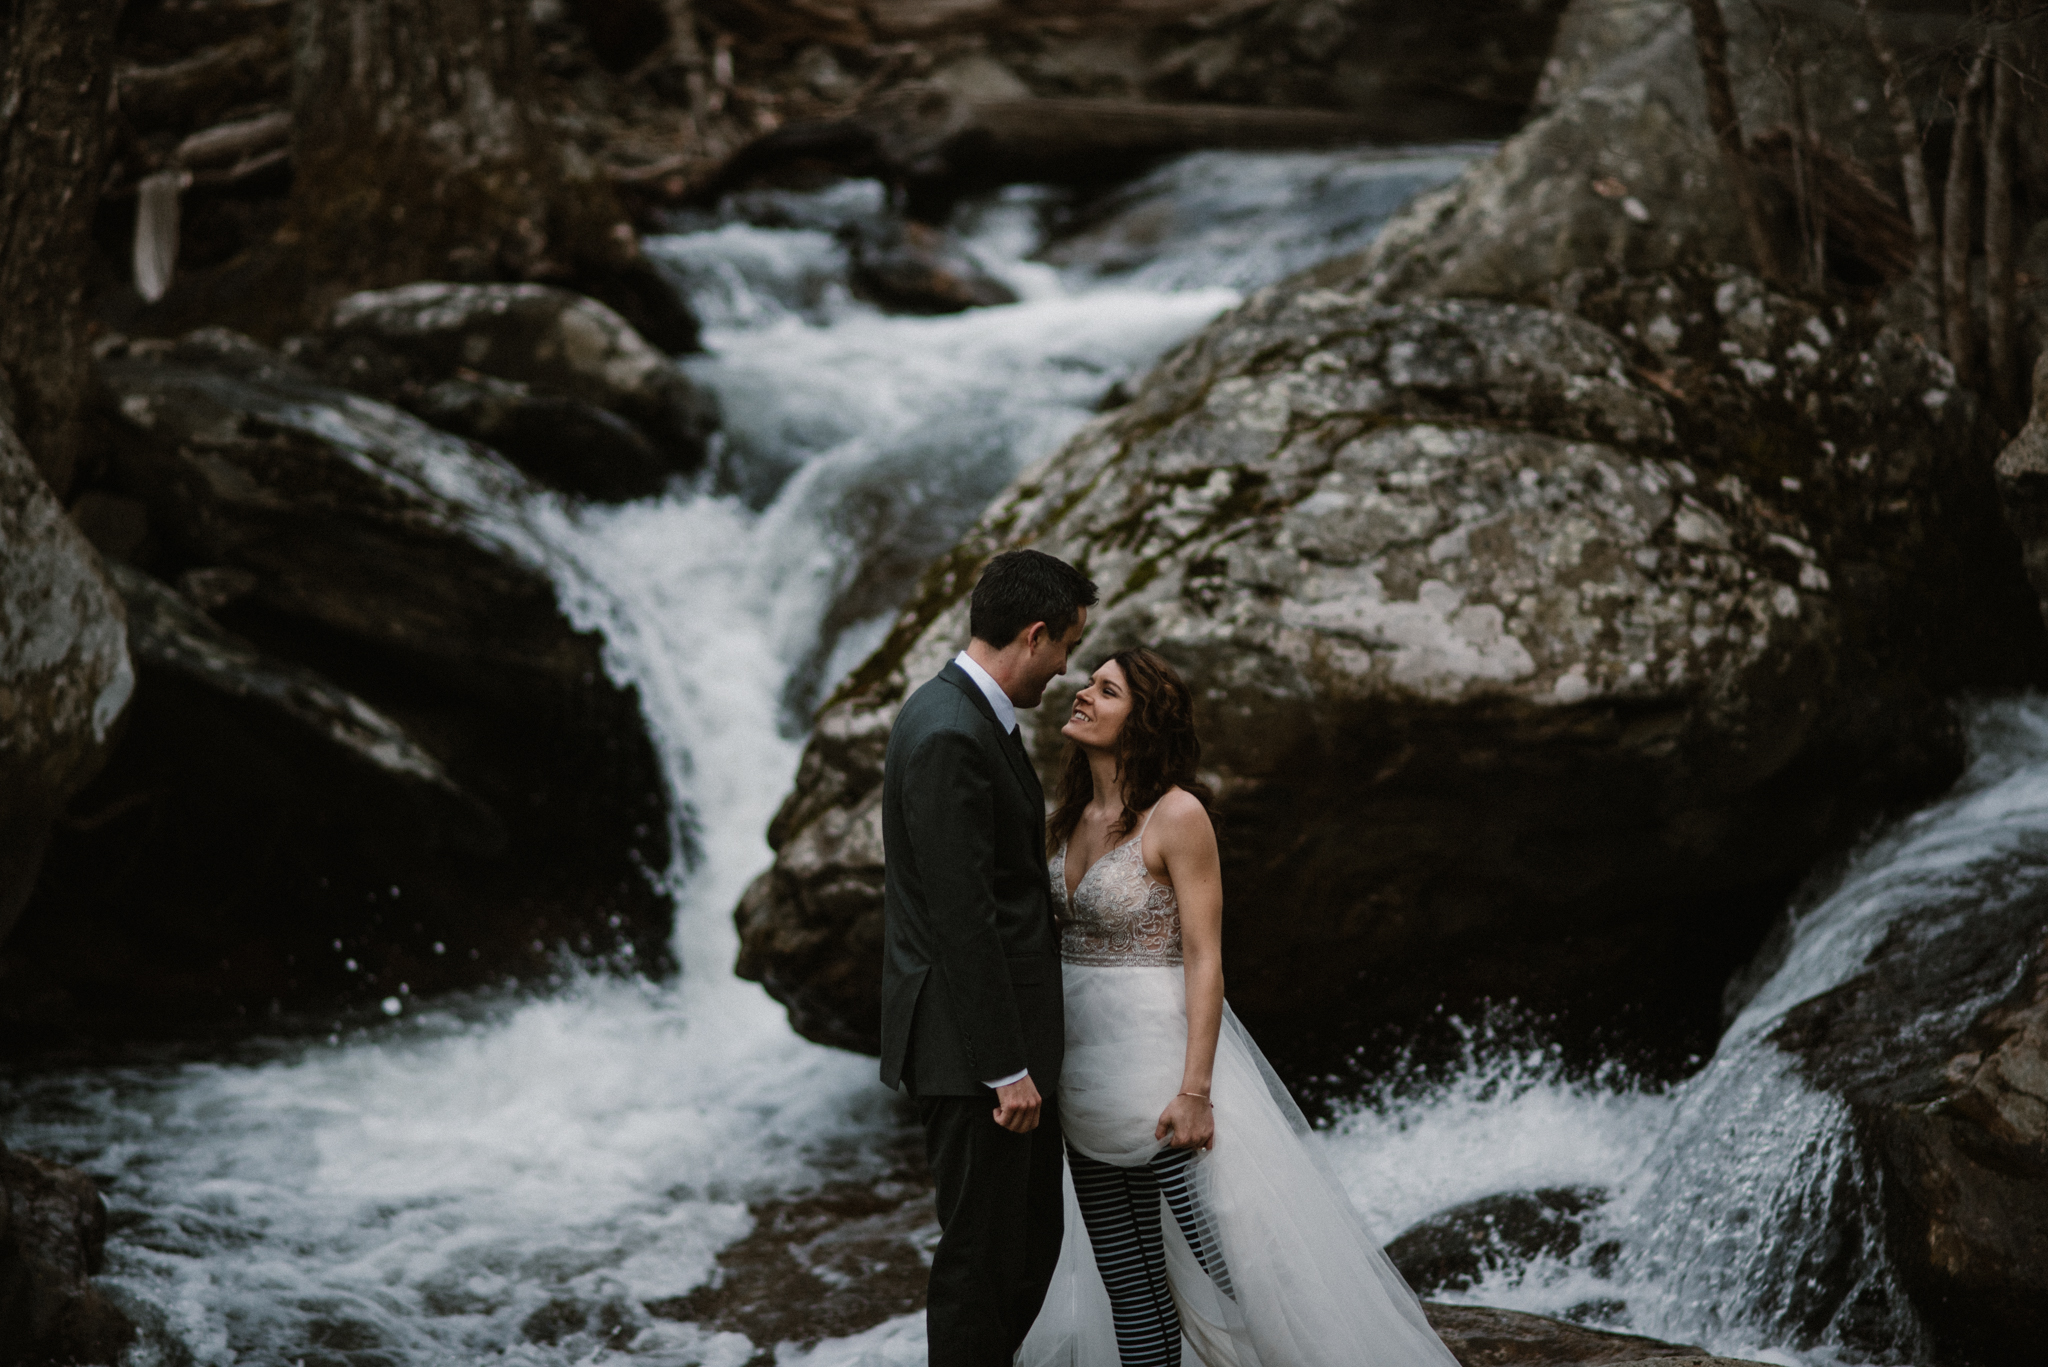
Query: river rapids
515, 1178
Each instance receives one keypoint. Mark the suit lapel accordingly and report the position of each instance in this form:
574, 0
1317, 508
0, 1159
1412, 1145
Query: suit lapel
1013, 751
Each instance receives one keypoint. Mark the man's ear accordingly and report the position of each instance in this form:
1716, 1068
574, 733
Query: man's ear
1036, 632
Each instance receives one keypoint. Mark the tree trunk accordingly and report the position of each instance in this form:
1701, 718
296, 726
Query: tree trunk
416, 152
1913, 171
56, 67
1958, 207
1711, 34
2002, 354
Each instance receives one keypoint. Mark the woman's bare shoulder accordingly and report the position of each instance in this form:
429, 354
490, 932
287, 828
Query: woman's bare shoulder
1180, 814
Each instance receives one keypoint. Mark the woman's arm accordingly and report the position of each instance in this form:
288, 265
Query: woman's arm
1185, 844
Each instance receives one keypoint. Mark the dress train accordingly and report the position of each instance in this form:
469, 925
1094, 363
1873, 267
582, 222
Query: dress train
1313, 1287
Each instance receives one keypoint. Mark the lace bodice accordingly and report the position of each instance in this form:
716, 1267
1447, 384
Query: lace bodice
1119, 915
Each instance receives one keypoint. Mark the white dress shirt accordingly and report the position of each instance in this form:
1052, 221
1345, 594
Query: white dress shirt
1006, 718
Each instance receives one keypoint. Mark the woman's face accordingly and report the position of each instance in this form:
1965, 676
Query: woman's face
1100, 709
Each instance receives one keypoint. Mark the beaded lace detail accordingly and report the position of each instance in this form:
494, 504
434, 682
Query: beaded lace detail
1120, 915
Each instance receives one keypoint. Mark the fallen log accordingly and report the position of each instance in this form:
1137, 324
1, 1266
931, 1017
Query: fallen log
208, 83
237, 141
928, 140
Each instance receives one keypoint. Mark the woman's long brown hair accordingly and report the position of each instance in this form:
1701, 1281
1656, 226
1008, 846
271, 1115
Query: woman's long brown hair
1156, 750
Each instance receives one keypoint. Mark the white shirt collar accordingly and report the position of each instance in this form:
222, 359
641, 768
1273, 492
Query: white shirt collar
1006, 711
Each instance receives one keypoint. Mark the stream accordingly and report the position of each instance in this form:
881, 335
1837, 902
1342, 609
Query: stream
515, 1177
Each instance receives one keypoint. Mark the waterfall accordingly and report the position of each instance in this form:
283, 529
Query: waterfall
441, 1187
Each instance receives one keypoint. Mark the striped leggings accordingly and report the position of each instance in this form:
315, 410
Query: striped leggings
1120, 1206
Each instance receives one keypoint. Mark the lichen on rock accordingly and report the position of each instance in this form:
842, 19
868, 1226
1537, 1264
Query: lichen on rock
65, 677
1530, 646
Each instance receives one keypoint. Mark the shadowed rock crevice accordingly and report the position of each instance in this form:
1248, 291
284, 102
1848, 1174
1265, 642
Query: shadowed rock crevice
370, 758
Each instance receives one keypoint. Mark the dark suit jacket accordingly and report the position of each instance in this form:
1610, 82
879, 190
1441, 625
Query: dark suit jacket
970, 952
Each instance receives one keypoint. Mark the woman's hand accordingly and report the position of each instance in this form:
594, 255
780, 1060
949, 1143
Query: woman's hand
1191, 1120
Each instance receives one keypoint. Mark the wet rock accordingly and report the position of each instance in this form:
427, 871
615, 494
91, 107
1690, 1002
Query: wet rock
384, 764
53, 1233
398, 343
1480, 1336
912, 267
1454, 1248
827, 1265
64, 671
565, 443
1939, 1050
1537, 653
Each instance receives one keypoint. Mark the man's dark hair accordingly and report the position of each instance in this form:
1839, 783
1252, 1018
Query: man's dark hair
1021, 587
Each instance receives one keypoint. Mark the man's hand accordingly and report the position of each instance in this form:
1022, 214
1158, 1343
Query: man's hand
1017, 1106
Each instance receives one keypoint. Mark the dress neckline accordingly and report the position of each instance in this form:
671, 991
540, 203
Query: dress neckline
1103, 858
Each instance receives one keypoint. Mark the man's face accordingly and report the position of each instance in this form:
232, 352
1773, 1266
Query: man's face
1047, 657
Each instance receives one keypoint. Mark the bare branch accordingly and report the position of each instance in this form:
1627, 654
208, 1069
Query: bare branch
1711, 35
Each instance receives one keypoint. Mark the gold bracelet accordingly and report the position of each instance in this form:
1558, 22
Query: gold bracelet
1197, 1096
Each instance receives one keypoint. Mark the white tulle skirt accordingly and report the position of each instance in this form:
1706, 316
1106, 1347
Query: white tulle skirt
1314, 1288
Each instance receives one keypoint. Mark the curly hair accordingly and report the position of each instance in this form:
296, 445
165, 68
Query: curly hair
1156, 750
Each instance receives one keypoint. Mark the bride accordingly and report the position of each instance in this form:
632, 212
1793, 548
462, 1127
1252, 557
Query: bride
1258, 1259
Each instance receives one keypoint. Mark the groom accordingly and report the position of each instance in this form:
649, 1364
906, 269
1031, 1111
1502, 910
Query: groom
973, 1021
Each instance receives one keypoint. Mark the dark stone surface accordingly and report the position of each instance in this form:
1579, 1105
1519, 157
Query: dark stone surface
565, 443
1454, 1248
399, 344
1940, 1050
53, 1232
384, 765
910, 267
65, 676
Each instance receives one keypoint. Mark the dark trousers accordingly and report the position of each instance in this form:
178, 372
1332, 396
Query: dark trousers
1001, 1217
1121, 1209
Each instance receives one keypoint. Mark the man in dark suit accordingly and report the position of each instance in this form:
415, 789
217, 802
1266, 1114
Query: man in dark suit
973, 1022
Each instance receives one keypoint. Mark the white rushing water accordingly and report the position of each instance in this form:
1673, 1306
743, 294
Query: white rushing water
432, 1191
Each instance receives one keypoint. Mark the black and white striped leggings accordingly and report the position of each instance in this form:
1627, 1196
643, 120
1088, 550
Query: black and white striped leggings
1120, 1206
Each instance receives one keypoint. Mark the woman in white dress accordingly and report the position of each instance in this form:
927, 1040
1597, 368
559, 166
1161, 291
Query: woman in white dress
1203, 1221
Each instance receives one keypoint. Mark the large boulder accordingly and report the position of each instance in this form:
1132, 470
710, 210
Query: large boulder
53, 1235
1939, 1050
1537, 653
1618, 170
529, 369
369, 756
64, 671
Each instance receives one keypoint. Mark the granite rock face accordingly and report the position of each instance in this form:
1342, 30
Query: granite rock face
1617, 170
369, 758
65, 677
1536, 651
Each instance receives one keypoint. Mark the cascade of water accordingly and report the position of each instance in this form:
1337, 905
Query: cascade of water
518, 1178
1739, 1210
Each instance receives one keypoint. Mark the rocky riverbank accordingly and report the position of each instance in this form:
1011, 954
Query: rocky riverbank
1555, 598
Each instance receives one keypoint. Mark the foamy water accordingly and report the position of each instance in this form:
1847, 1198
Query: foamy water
436, 1190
